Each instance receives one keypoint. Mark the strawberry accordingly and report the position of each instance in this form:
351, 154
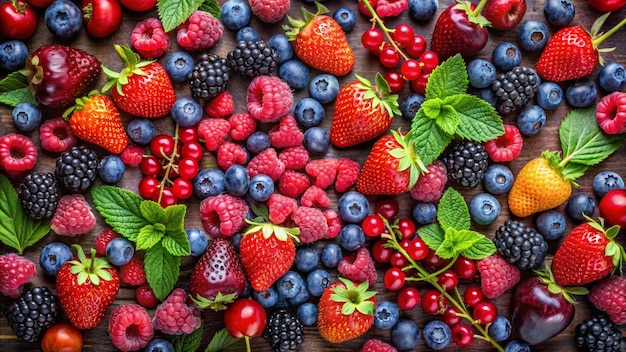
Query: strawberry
346, 311
587, 254
391, 166
217, 278
319, 41
461, 29
362, 111
142, 88
86, 287
95, 119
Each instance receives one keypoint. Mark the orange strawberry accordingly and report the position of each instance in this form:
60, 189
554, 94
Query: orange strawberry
319, 41
346, 311
142, 88
362, 111
95, 119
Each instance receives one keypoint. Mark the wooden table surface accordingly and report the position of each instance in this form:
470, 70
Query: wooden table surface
366, 65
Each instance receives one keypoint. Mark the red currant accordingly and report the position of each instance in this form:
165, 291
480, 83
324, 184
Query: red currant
430, 60
394, 279
398, 260
162, 145
473, 295
148, 187
380, 253
451, 316
403, 34
406, 228
150, 165
188, 168
408, 298
388, 208
389, 57
448, 279
395, 80
465, 268
188, 134
485, 312
433, 302
462, 335
145, 296
193, 150
411, 69
182, 188
363, 9
167, 197
167, 167
417, 46
372, 39
434, 260
373, 225
419, 85
417, 249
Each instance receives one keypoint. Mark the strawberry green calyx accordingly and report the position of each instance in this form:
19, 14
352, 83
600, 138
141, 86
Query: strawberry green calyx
598, 37
79, 104
613, 249
297, 25
133, 66
220, 302
264, 225
90, 269
407, 157
473, 15
547, 278
354, 297
380, 93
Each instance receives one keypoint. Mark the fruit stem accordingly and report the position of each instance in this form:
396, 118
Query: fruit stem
170, 163
597, 41
247, 339
479, 8
386, 31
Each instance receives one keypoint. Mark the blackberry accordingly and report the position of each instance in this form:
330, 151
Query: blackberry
520, 245
284, 331
597, 334
252, 59
39, 195
209, 77
515, 88
76, 169
466, 163
32, 313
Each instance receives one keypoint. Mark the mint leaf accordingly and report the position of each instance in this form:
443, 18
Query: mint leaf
189, 342
150, 235
452, 211
14, 90
432, 234
152, 212
444, 115
572, 171
223, 341
456, 241
479, 121
448, 78
174, 12
120, 208
212, 7
176, 243
427, 139
482, 248
175, 218
162, 270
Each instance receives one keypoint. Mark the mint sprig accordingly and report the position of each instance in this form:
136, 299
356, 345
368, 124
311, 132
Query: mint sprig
173, 13
223, 341
14, 89
449, 111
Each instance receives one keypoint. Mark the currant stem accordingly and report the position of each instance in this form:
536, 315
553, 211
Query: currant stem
610, 32
170, 163
384, 28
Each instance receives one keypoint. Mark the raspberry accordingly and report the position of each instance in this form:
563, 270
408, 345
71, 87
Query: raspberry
358, 267
611, 113
322, 171
269, 11
280, 207
293, 183
391, 8
609, 295
241, 126
229, 154
223, 215
375, 345
130, 327
149, 38
334, 223
175, 317
221, 106
132, 155
497, 275
17, 153
347, 173
266, 162
133, 273
311, 222
506, 147
103, 239
73, 216
315, 197
429, 186
213, 132
286, 134
268, 98
294, 158
55, 135
201, 31
15, 271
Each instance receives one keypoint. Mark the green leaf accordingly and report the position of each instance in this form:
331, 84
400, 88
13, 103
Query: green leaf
444, 115
14, 90
175, 218
152, 212
174, 12
479, 121
162, 270
223, 341
456, 241
212, 7
189, 342
433, 235
150, 235
428, 140
120, 209
572, 171
177, 243
448, 78
482, 248
452, 211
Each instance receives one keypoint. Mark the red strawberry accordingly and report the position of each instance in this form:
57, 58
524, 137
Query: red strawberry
459, 29
362, 111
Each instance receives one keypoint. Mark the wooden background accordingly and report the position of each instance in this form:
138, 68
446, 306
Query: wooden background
366, 65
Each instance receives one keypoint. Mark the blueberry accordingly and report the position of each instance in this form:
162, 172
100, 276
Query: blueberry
302, 297
140, 131
605, 181
307, 313
611, 77
187, 112
120, 251
437, 335
531, 120
53, 256
235, 14
482, 72
331, 255
579, 205
551, 224
306, 259
111, 169
386, 315
422, 10
549, 95
410, 104
351, 237
63, 18
316, 140
506, 56
308, 112
13, 54
424, 213
582, 93
516, 346
346, 18
197, 241
26, 116
289, 284
257, 142
267, 298
317, 281
282, 46
487, 95
559, 13
236, 240
353, 207
500, 329
498, 179
484, 208
261, 187
295, 73
208, 183
160, 345
532, 35
178, 66
324, 88
247, 34
405, 335
236, 180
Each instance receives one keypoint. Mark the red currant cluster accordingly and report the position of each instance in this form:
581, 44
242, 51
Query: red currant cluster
168, 172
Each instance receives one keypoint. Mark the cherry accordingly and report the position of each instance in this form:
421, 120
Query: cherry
485, 312
398, 260
395, 80
363, 9
465, 268
430, 60
373, 225
162, 145
193, 150
462, 334
451, 316
417, 46
394, 279
448, 279
150, 166
388, 208
389, 57
188, 134
403, 34
149, 187
411, 69
188, 168
166, 197
417, 249
408, 298
182, 188
473, 295
433, 302
372, 39
406, 228
145, 296
380, 253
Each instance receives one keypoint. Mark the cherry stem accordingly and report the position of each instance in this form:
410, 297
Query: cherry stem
386, 31
610, 32
170, 163
247, 339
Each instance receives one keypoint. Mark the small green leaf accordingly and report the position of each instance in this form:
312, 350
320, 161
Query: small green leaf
482, 248
572, 171
212, 7
162, 270
448, 120
452, 211
150, 235
223, 341
433, 235
120, 209
428, 140
14, 90
175, 218
152, 212
189, 342
448, 78
174, 12
479, 121
177, 243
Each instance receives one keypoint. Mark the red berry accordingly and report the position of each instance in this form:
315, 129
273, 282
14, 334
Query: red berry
373, 225
389, 57
408, 298
150, 166
406, 228
411, 69
403, 34
56, 135
182, 188
188, 134
485, 312
394, 279
188, 168
611, 113
448, 280
434, 260
433, 302
221, 106
166, 198
148, 187
395, 80
380, 253
388, 208
149, 38
162, 145
193, 150
430, 61
505, 147
462, 335
419, 85
372, 39
473, 295
130, 327
417, 249
145, 296
465, 268
451, 316
417, 46
363, 9
398, 260
17, 153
